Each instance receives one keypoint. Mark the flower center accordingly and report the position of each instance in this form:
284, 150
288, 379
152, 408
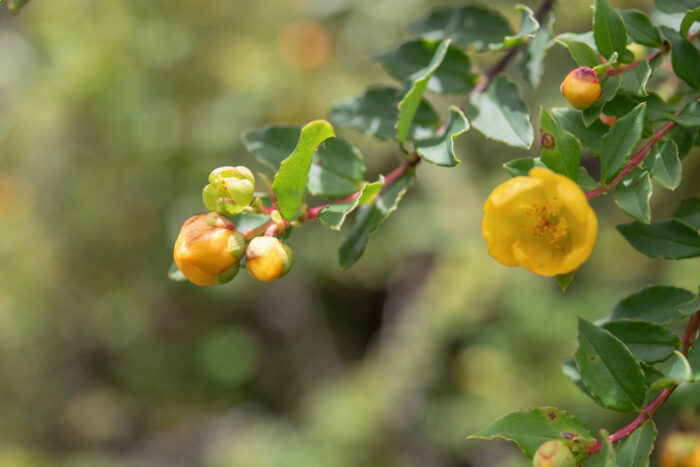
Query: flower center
546, 222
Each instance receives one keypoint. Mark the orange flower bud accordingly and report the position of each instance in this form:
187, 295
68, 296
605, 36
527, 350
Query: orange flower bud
208, 249
581, 87
268, 259
554, 453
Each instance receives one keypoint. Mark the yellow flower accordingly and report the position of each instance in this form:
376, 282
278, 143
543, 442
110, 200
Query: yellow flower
542, 222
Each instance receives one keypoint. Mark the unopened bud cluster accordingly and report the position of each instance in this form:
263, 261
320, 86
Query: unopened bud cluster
230, 190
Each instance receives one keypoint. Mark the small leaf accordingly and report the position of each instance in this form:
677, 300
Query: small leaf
610, 87
690, 17
440, 150
333, 216
664, 164
657, 109
591, 136
522, 165
647, 341
601, 68
336, 169
635, 80
676, 6
465, 25
658, 303
670, 238
408, 106
568, 367
530, 428
563, 280
532, 63
580, 51
608, 369
500, 114
174, 274
619, 142
608, 29
289, 185
684, 139
632, 195
693, 358
678, 369
689, 116
641, 29
585, 181
684, 57
248, 221
560, 151
635, 449
272, 144
528, 27
689, 212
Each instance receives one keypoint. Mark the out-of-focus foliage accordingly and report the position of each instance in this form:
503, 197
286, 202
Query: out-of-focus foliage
111, 116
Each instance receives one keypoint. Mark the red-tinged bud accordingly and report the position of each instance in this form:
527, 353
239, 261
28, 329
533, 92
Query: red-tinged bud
554, 453
581, 87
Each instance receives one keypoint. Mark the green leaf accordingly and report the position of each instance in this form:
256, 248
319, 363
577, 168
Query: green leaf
689, 212
610, 87
585, 181
248, 221
621, 105
369, 218
690, 17
632, 195
568, 367
664, 164
670, 238
174, 274
375, 112
530, 428
684, 138
336, 169
684, 57
272, 144
528, 27
634, 450
452, 76
608, 369
641, 29
676, 6
619, 142
693, 358
333, 216
500, 114
591, 137
603, 67
289, 184
689, 116
465, 25
657, 109
659, 303
522, 165
647, 341
678, 369
408, 106
604, 458
608, 29
532, 63
563, 280
635, 80
560, 151
440, 150
580, 51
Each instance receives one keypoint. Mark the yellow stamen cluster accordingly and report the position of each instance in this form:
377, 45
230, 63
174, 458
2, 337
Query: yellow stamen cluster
545, 222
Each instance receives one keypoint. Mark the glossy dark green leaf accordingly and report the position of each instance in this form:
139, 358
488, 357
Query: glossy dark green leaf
608, 29
677, 6
465, 25
689, 212
641, 29
500, 114
677, 368
689, 116
658, 303
532, 63
684, 139
610, 87
580, 51
289, 184
649, 342
522, 165
440, 150
370, 216
560, 151
272, 144
635, 80
621, 105
619, 142
664, 164
670, 238
635, 449
333, 216
684, 57
564, 280
591, 137
528, 27
375, 112
688, 20
585, 181
633, 193
336, 169
452, 76
530, 428
608, 369
657, 109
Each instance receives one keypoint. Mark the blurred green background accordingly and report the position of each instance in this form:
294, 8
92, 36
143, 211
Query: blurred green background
113, 113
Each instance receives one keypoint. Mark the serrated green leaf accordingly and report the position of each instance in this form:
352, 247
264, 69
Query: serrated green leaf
684, 138
522, 165
560, 151
528, 27
532, 63
657, 109
174, 274
585, 181
289, 184
334, 215
677, 6
272, 144
659, 303
635, 80
465, 25
669, 238
689, 116
649, 342
608, 29
580, 51
664, 164
610, 86
635, 449
500, 114
641, 29
619, 142
690, 17
369, 217
684, 57
375, 112
608, 369
605, 454
563, 280
408, 105
591, 136
633, 193
452, 76
530, 428
689, 212
440, 150
336, 169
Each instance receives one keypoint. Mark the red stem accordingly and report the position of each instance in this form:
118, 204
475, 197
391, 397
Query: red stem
650, 57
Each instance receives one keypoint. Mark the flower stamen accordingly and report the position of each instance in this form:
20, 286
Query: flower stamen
546, 222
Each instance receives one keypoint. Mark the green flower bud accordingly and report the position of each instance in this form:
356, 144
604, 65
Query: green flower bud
230, 190
228, 274
268, 259
554, 453
236, 245
239, 172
